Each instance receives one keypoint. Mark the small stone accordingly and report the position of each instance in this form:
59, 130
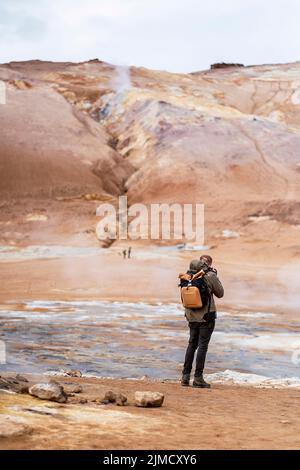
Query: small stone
83, 401
73, 389
148, 399
121, 399
110, 396
21, 378
73, 373
103, 402
77, 401
100, 402
49, 391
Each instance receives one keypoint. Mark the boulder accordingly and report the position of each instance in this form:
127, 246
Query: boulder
148, 399
49, 391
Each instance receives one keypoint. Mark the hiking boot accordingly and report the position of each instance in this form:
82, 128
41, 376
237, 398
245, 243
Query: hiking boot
185, 381
199, 382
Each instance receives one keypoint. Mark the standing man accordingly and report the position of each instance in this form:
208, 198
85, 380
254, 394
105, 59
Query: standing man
201, 323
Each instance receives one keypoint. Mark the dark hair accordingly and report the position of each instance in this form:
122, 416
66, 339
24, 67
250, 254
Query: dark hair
207, 259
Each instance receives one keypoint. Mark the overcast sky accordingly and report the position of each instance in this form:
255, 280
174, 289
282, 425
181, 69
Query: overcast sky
174, 35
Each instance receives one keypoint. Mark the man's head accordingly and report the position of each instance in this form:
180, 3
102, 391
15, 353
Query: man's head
206, 259
195, 266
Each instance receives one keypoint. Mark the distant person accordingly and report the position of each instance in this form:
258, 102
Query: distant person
124, 252
129, 253
201, 321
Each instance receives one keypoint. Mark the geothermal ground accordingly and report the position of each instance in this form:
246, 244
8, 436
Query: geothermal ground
225, 417
76, 135
73, 136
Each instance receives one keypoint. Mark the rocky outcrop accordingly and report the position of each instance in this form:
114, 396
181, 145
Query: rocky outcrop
224, 65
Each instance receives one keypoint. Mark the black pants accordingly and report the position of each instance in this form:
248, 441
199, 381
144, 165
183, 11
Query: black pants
200, 334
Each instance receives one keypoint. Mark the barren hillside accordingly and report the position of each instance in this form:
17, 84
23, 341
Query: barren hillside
228, 137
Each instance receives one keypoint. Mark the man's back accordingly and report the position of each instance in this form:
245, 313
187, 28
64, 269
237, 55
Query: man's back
216, 288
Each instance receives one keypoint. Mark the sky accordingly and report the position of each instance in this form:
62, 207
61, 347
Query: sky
173, 35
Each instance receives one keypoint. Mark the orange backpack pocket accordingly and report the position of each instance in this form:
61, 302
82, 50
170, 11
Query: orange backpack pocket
190, 297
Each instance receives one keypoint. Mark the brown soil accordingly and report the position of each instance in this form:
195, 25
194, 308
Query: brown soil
223, 417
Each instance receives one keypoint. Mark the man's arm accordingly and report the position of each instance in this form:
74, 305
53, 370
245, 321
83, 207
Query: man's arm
215, 284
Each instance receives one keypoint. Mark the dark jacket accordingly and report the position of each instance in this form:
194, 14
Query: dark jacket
215, 287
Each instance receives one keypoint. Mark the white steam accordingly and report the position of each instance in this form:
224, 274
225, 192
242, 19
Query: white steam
121, 81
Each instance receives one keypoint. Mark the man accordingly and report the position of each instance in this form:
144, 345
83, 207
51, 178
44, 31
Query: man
201, 324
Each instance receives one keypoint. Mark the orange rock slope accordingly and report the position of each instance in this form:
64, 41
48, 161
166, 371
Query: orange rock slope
227, 137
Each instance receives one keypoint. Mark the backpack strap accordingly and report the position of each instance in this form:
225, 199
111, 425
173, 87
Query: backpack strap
209, 302
185, 277
210, 294
198, 275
